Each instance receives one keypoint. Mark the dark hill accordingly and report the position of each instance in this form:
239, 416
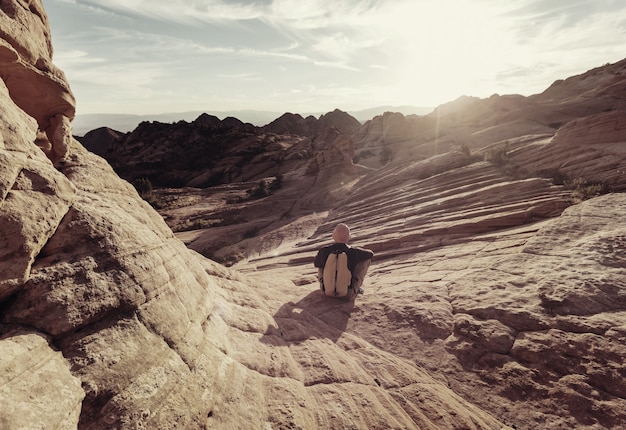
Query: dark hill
99, 140
210, 151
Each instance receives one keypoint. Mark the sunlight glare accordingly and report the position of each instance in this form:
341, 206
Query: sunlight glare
442, 52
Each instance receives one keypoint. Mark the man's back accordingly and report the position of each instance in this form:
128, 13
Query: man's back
358, 258
355, 255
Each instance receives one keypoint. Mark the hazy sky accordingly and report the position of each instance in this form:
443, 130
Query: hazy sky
156, 56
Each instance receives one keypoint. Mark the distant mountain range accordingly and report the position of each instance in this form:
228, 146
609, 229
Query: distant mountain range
128, 122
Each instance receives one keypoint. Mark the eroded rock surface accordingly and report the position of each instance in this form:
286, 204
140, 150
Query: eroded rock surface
125, 327
36, 85
526, 322
36, 386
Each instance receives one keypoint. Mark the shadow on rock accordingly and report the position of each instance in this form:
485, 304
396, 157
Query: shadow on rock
315, 316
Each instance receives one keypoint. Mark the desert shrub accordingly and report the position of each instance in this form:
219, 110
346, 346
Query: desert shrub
385, 156
252, 232
146, 192
231, 200
198, 224
156, 202
278, 182
260, 190
556, 175
583, 189
497, 157
143, 187
266, 187
473, 157
226, 260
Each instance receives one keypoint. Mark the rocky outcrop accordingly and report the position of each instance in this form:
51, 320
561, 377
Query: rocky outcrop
34, 83
100, 139
474, 123
210, 151
475, 281
204, 152
36, 385
337, 119
85, 270
64, 234
208, 121
599, 84
392, 136
108, 320
290, 123
295, 124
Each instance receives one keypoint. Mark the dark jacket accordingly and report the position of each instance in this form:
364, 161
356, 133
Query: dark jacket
355, 255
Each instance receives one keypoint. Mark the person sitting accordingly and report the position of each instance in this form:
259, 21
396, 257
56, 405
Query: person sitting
359, 259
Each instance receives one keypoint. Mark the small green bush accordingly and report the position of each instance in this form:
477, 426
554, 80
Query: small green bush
583, 189
146, 192
143, 187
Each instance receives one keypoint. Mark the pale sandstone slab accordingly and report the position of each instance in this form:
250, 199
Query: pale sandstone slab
38, 200
36, 385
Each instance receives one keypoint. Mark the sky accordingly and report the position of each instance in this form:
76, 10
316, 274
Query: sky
162, 56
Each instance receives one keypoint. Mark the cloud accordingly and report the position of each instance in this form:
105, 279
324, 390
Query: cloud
554, 39
138, 43
327, 33
183, 12
322, 14
341, 46
240, 76
365, 52
76, 57
574, 23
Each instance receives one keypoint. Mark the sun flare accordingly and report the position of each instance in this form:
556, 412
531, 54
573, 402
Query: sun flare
438, 52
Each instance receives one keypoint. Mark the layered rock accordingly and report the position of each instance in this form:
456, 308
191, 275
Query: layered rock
36, 385
126, 327
520, 312
37, 86
474, 123
210, 151
230, 222
80, 253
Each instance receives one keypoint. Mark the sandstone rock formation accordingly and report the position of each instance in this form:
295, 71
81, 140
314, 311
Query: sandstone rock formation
488, 273
290, 123
494, 300
209, 151
34, 83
